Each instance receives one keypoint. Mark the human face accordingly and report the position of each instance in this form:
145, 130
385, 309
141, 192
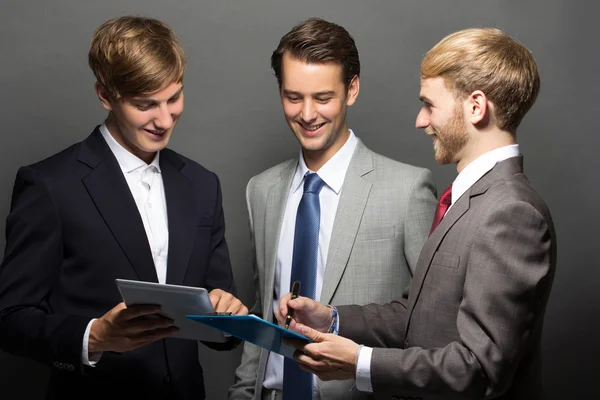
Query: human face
315, 101
442, 117
143, 124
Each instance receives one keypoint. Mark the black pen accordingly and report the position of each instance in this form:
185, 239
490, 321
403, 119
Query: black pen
295, 293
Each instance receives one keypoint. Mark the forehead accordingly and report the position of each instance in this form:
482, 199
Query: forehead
300, 76
435, 89
162, 94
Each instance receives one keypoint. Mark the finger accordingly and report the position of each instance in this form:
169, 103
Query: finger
308, 361
283, 304
237, 308
136, 311
279, 317
234, 305
311, 333
148, 337
322, 374
143, 324
215, 297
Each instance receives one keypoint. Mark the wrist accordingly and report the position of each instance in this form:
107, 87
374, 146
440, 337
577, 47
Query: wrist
94, 341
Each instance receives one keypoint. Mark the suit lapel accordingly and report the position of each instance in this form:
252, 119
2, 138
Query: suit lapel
182, 215
501, 170
277, 197
110, 193
353, 200
431, 246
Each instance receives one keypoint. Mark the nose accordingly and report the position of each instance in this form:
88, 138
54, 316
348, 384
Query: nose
164, 117
422, 119
309, 112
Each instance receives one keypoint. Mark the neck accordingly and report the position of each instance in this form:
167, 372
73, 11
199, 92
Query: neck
483, 142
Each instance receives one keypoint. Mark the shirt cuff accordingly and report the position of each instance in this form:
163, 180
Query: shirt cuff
335, 323
363, 370
86, 358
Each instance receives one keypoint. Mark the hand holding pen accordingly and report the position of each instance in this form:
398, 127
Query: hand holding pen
303, 311
295, 294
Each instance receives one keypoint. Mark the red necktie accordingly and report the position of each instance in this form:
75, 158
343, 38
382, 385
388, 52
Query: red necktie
442, 206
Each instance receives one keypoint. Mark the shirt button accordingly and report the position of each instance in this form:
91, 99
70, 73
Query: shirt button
149, 205
167, 378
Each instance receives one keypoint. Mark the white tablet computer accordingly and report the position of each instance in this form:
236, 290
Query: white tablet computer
176, 302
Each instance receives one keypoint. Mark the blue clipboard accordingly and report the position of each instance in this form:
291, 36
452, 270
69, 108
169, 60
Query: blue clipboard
253, 329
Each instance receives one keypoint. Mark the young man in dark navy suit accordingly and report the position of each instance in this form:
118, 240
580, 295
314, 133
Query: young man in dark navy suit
117, 205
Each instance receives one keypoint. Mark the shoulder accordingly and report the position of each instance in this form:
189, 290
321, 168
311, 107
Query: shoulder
516, 191
58, 171
58, 162
271, 175
396, 173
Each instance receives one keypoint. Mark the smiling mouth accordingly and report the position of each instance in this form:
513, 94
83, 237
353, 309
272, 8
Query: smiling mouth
156, 132
311, 128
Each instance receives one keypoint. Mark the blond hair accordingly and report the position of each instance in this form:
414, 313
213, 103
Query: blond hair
135, 56
489, 60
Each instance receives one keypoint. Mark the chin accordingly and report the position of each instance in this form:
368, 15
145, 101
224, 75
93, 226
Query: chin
312, 144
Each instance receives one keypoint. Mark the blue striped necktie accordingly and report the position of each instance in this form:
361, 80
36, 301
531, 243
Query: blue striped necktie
298, 384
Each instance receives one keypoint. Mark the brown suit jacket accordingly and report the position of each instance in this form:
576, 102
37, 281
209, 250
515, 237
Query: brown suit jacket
471, 325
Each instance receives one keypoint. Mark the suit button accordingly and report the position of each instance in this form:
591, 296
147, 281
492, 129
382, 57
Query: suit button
167, 378
406, 344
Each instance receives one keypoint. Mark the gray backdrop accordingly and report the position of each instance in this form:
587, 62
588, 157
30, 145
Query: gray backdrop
233, 124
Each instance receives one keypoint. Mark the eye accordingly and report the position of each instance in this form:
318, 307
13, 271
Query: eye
323, 100
174, 98
293, 99
142, 107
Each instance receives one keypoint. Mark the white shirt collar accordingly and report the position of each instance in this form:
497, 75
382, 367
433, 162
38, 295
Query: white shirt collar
479, 167
333, 171
127, 161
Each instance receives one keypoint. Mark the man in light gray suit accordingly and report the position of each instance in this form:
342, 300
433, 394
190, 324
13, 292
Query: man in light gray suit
375, 213
471, 325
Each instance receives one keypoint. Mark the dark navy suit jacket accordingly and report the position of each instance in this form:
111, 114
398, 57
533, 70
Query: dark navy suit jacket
73, 228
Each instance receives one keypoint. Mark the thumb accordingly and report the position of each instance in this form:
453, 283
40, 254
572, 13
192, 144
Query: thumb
311, 333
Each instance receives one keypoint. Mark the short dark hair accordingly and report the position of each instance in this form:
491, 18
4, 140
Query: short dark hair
317, 41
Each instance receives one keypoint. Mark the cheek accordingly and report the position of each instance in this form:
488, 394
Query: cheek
331, 111
135, 119
177, 109
291, 110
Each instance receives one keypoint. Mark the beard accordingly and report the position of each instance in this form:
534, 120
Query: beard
451, 138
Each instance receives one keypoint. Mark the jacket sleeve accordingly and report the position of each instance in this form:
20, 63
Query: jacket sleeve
509, 273
31, 265
246, 373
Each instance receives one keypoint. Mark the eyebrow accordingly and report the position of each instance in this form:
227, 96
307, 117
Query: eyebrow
318, 94
425, 99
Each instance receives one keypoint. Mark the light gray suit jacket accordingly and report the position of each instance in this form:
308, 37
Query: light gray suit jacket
383, 218
471, 327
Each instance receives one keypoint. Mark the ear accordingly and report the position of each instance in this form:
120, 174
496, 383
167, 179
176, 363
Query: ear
477, 107
103, 96
353, 90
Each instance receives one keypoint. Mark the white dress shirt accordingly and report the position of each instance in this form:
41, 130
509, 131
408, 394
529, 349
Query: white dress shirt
146, 186
333, 174
463, 182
